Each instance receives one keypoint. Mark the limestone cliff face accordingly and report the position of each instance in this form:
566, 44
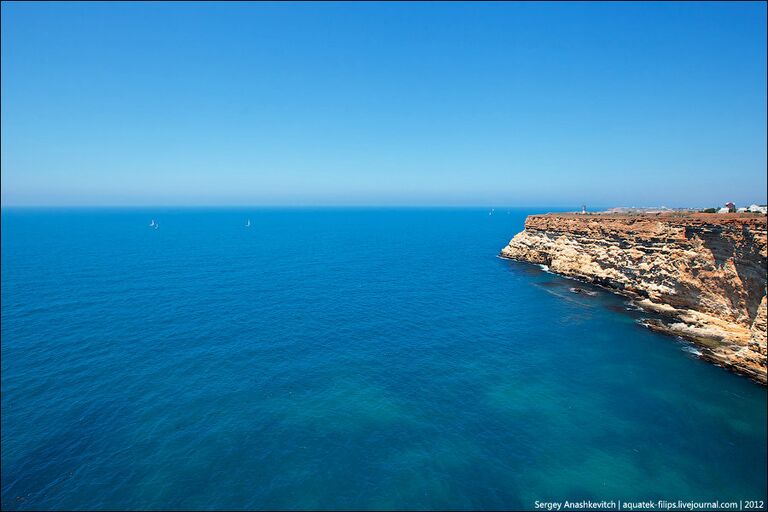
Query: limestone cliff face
705, 272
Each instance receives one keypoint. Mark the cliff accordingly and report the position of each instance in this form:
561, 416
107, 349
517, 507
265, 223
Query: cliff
706, 273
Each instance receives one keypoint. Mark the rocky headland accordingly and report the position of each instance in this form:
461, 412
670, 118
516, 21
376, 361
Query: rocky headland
705, 274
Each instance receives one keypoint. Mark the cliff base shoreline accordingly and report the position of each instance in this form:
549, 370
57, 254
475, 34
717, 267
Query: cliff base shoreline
703, 274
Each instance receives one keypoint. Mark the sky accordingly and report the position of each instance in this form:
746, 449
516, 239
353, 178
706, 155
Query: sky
450, 104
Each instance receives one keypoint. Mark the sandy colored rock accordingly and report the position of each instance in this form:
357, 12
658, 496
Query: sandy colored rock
706, 272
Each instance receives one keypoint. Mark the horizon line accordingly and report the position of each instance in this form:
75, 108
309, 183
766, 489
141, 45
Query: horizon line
281, 206
338, 206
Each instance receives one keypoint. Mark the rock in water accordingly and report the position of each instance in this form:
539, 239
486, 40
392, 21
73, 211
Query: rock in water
582, 291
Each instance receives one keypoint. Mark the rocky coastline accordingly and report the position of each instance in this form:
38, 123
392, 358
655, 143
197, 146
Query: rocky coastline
704, 274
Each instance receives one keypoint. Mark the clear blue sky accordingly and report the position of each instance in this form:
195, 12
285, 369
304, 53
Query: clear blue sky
385, 104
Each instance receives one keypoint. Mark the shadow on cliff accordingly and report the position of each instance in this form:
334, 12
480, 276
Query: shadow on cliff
749, 263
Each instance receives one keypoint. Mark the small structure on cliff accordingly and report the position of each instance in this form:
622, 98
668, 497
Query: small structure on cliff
729, 207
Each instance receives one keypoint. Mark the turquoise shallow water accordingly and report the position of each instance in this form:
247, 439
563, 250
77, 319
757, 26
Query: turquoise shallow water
347, 359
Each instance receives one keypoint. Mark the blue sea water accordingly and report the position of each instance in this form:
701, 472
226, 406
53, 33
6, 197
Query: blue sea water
341, 359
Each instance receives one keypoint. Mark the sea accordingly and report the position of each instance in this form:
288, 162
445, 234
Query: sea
349, 358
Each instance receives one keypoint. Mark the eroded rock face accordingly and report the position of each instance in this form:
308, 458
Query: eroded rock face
705, 271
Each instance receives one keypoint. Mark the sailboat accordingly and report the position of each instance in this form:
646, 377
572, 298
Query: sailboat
248, 223
153, 224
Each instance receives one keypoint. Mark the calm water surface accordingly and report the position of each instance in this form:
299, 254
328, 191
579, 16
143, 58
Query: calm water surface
348, 359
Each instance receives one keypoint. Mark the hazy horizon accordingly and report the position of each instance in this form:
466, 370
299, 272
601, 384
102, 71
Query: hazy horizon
383, 104
331, 206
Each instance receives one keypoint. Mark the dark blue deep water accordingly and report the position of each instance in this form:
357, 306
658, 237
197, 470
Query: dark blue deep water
354, 358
